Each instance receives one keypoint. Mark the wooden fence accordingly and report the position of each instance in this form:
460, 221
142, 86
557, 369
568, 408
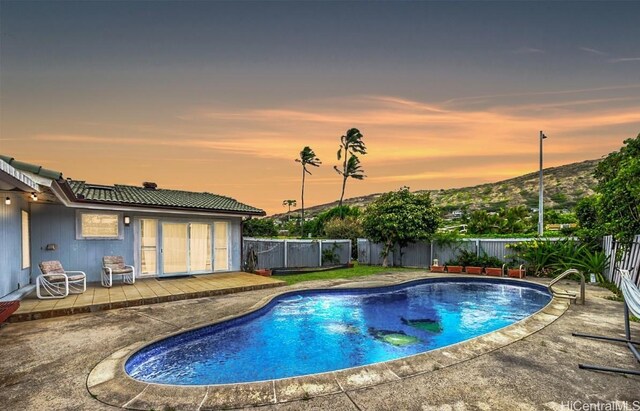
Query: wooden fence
625, 256
279, 253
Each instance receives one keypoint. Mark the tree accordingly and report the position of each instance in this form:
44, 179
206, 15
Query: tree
350, 144
342, 228
259, 227
307, 158
590, 229
318, 223
400, 218
289, 203
618, 177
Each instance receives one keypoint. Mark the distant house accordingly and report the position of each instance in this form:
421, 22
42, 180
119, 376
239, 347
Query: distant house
162, 232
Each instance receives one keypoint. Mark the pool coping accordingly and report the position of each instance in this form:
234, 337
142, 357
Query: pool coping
109, 383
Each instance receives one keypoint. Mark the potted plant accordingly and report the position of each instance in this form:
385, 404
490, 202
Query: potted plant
436, 268
471, 262
264, 272
454, 266
494, 271
471, 269
519, 272
493, 266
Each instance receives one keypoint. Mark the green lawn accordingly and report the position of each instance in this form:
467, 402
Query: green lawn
357, 271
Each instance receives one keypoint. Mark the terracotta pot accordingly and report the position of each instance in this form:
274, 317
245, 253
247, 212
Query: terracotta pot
264, 273
349, 265
473, 270
515, 273
454, 268
437, 268
493, 271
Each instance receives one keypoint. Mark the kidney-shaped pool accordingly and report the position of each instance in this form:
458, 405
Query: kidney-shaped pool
315, 331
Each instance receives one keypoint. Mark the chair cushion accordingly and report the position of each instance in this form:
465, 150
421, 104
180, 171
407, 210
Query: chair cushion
55, 278
60, 278
51, 267
115, 262
125, 270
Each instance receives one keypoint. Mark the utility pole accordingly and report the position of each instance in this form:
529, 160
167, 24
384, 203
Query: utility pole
541, 195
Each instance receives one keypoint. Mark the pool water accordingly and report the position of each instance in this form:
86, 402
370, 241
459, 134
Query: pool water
326, 330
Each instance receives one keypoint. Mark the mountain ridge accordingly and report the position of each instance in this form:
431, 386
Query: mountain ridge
564, 186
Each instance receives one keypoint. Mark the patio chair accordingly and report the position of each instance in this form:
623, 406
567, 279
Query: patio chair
56, 282
113, 265
631, 294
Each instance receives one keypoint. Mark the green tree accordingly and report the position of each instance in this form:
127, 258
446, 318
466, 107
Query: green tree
618, 178
318, 223
350, 144
259, 227
289, 203
348, 227
307, 158
400, 218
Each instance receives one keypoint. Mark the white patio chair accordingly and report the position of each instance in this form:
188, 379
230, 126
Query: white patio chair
55, 282
113, 265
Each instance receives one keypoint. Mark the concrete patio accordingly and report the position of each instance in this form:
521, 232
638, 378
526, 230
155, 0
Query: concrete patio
538, 372
142, 292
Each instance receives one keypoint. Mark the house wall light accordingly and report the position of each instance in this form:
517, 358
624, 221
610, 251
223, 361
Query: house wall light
127, 220
7, 201
34, 196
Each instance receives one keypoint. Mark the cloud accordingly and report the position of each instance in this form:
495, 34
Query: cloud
624, 60
528, 50
593, 51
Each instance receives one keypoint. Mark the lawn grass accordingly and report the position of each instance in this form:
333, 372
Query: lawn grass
356, 271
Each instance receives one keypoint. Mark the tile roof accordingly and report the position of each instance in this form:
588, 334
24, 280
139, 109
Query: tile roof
31, 168
140, 196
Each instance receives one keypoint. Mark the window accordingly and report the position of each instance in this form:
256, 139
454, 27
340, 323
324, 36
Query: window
26, 256
98, 225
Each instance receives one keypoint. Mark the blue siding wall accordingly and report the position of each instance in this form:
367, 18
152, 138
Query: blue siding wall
56, 224
12, 276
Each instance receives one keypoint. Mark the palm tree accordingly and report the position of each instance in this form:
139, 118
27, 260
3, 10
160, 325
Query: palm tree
350, 144
289, 203
307, 157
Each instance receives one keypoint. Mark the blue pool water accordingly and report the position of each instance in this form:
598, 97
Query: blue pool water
319, 331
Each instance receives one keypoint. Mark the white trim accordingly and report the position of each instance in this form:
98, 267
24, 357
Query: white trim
18, 178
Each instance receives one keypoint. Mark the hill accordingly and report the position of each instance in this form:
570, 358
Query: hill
564, 186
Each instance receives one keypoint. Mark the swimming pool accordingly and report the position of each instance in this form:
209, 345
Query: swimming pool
308, 332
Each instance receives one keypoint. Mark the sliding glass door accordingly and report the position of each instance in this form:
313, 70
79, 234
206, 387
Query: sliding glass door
148, 247
175, 248
221, 260
199, 248
171, 247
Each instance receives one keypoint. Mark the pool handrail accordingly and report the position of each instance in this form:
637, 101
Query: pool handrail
565, 294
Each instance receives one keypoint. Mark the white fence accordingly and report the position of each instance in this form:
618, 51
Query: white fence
625, 256
278, 253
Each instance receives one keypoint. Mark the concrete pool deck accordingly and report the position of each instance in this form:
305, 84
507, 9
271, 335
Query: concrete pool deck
45, 364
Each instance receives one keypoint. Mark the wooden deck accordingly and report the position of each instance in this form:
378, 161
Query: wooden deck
144, 291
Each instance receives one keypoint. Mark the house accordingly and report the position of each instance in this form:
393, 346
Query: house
44, 216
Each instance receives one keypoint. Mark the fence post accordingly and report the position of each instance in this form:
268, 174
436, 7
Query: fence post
320, 252
286, 262
478, 247
350, 251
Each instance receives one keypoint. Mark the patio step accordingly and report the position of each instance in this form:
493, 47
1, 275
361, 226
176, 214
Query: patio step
19, 294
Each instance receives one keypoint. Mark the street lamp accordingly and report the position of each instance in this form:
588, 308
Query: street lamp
540, 197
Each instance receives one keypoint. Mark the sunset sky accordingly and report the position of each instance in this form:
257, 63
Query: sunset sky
221, 96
